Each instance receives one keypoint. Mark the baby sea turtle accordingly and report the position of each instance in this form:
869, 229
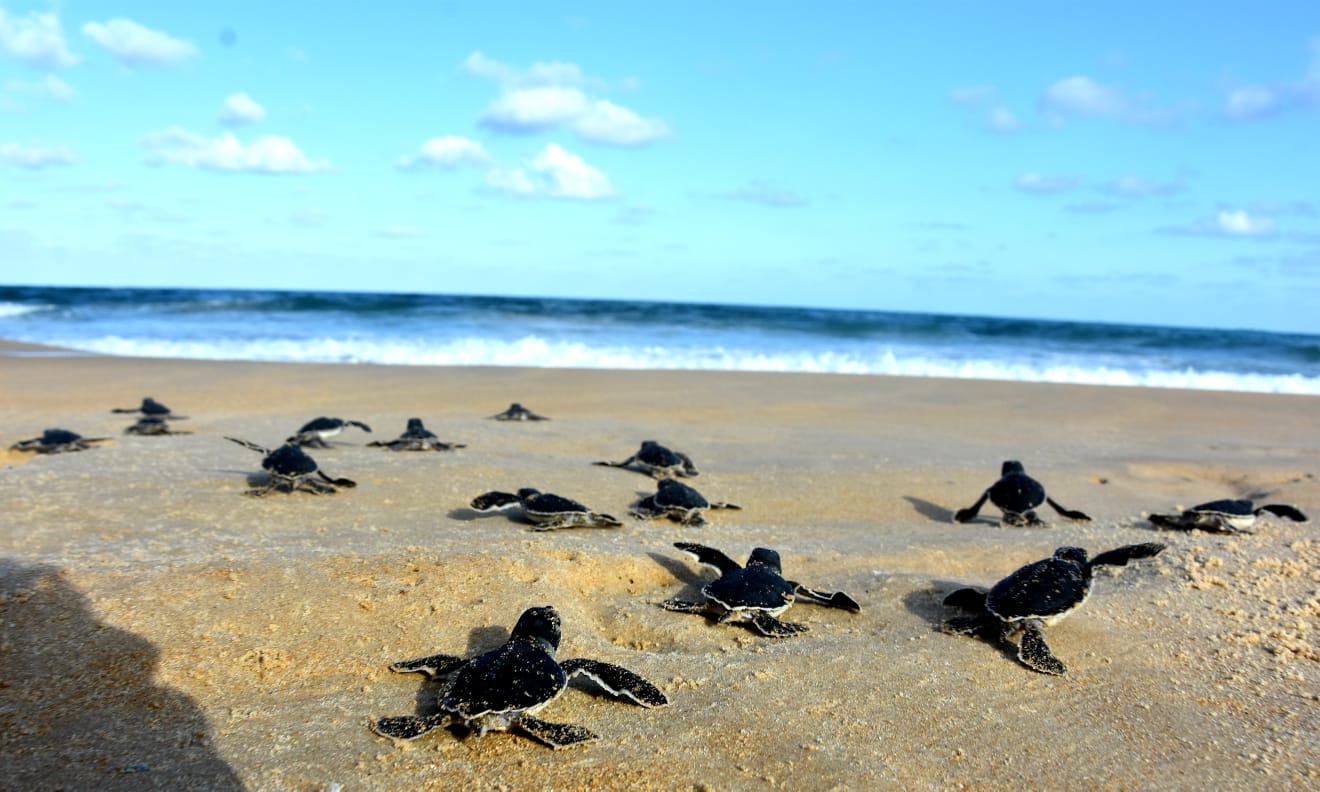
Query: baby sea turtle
1035, 596
1017, 495
756, 593
416, 438
1225, 516
151, 425
517, 412
546, 511
678, 502
292, 469
57, 441
315, 432
504, 688
151, 409
658, 461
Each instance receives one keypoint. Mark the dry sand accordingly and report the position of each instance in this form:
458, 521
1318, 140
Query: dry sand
160, 629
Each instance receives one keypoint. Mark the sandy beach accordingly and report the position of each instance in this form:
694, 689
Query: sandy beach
159, 629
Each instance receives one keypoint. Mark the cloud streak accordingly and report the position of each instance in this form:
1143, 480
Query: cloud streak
137, 46
269, 154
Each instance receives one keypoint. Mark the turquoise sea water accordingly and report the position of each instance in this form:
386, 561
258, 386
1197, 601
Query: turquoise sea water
417, 329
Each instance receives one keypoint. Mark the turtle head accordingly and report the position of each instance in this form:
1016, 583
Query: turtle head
1074, 554
539, 624
649, 444
515, 407
528, 492
764, 556
1011, 466
414, 423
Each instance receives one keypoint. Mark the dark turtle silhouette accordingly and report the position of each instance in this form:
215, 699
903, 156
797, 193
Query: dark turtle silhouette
546, 511
657, 461
315, 432
517, 412
1017, 495
1225, 516
291, 469
150, 408
503, 689
151, 425
1034, 597
678, 502
416, 438
755, 593
57, 441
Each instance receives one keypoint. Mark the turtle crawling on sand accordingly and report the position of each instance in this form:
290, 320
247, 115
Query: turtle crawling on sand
1017, 495
292, 469
546, 511
678, 502
1225, 516
416, 438
657, 461
150, 408
755, 593
57, 441
315, 432
1034, 597
503, 689
151, 425
517, 412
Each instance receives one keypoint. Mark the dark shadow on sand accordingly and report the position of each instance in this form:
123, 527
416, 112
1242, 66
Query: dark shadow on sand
931, 511
928, 603
466, 514
78, 707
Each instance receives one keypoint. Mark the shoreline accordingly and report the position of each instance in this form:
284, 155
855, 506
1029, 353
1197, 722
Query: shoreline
266, 625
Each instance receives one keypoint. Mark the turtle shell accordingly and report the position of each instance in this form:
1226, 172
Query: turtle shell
754, 587
289, 460
53, 437
321, 424
520, 675
152, 407
652, 453
1017, 492
548, 503
675, 494
1040, 590
417, 431
1234, 508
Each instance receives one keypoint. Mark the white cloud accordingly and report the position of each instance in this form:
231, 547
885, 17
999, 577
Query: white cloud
1082, 96
1253, 102
553, 74
555, 173
478, 65
35, 39
985, 100
1135, 187
134, 45
606, 122
240, 109
1239, 223
267, 154
397, 232
34, 157
1042, 185
534, 109
446, 152
1001, 119
50, 86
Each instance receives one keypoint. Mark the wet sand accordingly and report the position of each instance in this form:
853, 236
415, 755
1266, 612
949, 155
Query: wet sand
161, 629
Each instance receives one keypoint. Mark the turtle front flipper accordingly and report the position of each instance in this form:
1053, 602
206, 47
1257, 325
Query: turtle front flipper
409, 727
689, 469
433, 665
709, 556
769, 625
618, 680
969, 513
1071, 514
338, 482
1119, 556
683, 606
247, 445
555, 735
597, 520
1034, 652
1284, 510
623, 464
1171, 522
829, 599
725, 505
966, 598
492, 501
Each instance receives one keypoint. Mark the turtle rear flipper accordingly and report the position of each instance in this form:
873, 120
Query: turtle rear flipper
769, 625
618, 680
1119, 556
683, 606
494, 500
829, 599
968, 514
555, 735
409, 727
1285, 510
433, 665
1071, 514
1035, 653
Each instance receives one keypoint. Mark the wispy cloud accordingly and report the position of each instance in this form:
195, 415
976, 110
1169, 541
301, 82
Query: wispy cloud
49, 87
1082, 97
1129, 186
36, 39
553, 173
137, 46
35, 157
1226, 223
446, 152
984, 99
763, 193
269, 154
1260, 102
394, 231
1038, 184
239, 110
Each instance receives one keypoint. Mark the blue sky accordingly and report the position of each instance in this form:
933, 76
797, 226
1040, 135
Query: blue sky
1136, 162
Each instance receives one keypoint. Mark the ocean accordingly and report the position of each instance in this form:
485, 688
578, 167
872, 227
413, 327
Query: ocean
447, 330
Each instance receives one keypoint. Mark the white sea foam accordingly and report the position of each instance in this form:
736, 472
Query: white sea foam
533, 351
10, 310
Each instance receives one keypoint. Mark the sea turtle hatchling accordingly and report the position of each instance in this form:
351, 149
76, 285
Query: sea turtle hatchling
1225, 516
57, 441
416, 438
150, 408
1034, 597
678, 502
503, 689
658, 461
517, 412
755, 593
291, 469
546, 511
151, 425
1017, 495
315, 432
